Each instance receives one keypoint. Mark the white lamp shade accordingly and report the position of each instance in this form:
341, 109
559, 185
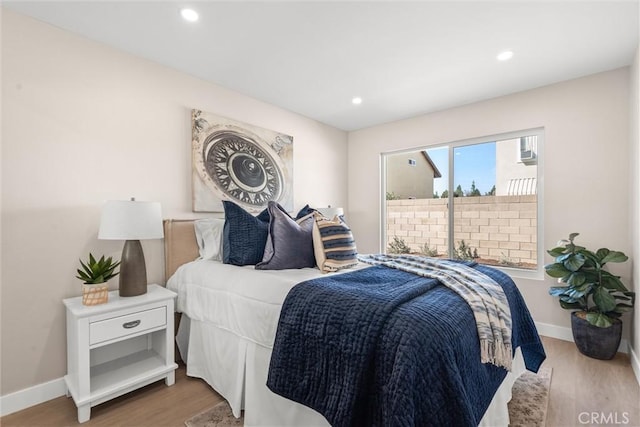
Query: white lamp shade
331, 212
131, 220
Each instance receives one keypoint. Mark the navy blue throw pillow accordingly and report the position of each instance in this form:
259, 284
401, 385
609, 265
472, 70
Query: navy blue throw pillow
290, 242
305, 211
244, 235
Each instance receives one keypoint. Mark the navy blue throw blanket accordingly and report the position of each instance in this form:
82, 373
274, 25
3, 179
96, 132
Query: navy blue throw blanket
384, 347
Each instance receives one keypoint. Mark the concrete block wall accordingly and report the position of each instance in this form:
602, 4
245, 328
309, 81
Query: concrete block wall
501, 228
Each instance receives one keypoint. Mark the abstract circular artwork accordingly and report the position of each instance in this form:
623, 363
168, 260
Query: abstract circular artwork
238, 162
242, 170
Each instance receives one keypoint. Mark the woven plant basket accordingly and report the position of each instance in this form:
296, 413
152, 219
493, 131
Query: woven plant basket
94, 294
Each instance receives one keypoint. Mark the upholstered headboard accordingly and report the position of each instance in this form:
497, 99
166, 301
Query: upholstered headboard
180, 244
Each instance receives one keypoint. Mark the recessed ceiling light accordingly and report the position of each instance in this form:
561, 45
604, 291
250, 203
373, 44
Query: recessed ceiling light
356, 100
504, 56
189, 15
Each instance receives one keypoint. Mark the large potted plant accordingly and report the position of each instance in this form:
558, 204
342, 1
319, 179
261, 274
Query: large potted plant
597, 297
95, 274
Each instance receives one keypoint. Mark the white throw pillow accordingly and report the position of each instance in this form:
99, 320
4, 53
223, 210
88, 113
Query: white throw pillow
209, 237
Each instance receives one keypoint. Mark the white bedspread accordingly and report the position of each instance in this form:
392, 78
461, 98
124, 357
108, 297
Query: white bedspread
241, 300
233, 313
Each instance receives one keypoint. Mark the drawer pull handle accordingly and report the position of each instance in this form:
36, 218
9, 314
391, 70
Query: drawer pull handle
130, 325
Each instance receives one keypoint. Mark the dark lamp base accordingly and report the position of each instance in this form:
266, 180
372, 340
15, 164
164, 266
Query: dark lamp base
133, 270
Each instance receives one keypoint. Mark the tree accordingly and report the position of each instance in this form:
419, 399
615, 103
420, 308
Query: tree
458, 192
435, 195
492, 192
445, 194
474, 192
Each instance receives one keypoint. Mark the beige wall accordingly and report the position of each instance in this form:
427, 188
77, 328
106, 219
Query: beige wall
82, 124
586, 124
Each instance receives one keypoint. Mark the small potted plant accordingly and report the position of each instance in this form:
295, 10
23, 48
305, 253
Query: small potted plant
597, 297
95, 275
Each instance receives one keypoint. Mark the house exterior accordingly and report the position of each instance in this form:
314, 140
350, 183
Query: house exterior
410, 175
516, 166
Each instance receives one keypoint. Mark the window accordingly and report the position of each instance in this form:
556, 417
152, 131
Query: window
528, 148
475, 199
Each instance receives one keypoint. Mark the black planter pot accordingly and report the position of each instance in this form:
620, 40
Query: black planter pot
592, 341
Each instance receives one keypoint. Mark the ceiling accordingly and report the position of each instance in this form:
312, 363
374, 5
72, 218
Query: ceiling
402, 58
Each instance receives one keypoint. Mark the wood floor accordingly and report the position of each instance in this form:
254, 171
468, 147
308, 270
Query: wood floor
154, 405
584, 392
590, 392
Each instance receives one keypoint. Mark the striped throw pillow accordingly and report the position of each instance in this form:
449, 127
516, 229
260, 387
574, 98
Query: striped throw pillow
333, 244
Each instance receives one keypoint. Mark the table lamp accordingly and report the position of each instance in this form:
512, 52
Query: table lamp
131, 221
330, 212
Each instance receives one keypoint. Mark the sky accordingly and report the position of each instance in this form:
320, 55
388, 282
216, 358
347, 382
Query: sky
471, 163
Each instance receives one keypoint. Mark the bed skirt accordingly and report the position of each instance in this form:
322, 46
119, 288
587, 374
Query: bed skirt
237, 368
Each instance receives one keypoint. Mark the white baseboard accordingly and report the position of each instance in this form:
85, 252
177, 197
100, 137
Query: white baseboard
31, 396
635, 363
553, 331
565, 334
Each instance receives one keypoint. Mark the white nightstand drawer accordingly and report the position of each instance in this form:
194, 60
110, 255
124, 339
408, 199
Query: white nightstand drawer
129, 324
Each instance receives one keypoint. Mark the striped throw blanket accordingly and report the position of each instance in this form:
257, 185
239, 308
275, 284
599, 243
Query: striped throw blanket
484, 296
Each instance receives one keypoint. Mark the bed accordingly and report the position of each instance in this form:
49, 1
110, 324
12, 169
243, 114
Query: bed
228, 326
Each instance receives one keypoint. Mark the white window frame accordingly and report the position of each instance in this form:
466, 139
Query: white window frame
538, 273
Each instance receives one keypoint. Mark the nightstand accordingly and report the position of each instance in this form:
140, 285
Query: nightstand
119, 346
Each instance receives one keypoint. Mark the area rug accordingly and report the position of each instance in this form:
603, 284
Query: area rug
528, 406
530, 399
218, 416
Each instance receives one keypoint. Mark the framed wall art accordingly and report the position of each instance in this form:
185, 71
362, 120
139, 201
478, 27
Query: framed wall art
235, 161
